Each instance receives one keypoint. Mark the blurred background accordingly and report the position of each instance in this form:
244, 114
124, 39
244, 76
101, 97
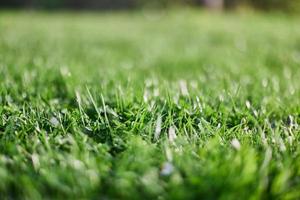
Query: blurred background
267, 5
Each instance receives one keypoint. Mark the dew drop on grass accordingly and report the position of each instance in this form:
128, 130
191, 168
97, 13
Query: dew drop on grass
255, 113
78, 98
8, 99
248, 104
65, 71
35, 161
236, 144
172, 134
146, 95
167, 169
221, 97
77, 164
157, 128
183, 88
156, 92
290, 120
169, 154
54, 122
282, 146
290, 140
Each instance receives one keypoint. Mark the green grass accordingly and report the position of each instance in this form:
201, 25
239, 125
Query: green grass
90, 105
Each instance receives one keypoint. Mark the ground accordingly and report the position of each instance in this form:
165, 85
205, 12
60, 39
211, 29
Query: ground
178, 104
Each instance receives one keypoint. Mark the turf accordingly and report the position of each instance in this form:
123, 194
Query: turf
181, 104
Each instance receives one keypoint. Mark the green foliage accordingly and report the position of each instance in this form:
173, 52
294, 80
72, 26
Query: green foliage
282, 5
168, 105
289, 5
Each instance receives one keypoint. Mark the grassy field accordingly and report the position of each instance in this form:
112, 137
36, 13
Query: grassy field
153, 105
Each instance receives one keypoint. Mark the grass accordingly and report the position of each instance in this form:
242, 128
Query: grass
180, 104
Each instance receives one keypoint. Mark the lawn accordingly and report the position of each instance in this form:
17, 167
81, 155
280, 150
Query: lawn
180, 104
